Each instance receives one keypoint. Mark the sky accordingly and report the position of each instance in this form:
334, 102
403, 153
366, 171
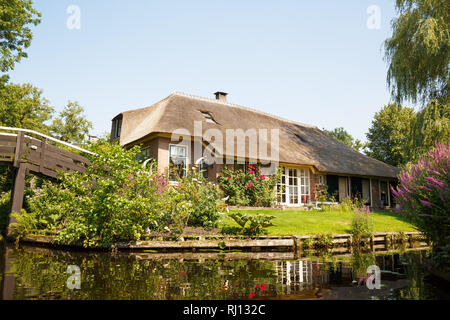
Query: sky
315, 62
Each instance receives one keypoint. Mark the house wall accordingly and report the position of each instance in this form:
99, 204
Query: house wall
376, 202
312, 185
159, 150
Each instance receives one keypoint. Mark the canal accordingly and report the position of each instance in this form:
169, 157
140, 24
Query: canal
40, 273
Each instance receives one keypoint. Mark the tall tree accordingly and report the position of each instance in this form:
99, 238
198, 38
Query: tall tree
71, 124
418, 53
346, 138
431, 125
15, 33
22, 106
389, 137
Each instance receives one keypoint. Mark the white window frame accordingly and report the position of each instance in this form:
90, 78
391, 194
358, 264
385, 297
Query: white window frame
303, 182
185, 162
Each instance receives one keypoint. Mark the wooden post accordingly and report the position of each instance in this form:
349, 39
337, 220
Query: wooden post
18, 189
19, 147
17, 193
42, 155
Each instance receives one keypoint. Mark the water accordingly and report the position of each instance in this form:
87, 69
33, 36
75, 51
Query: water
39, 273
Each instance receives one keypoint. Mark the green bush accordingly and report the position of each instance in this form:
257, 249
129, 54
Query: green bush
252, 224
116, 199
362, 225
203, 198
4, 210
324, 241
250, 188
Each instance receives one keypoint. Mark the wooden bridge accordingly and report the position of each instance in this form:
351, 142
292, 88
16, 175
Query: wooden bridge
28, 151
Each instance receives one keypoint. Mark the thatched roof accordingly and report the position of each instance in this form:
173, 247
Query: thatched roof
299, 143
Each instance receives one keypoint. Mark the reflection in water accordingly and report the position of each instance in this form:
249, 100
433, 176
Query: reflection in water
38, 273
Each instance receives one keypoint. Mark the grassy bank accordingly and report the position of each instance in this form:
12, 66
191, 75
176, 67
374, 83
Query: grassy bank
293, 222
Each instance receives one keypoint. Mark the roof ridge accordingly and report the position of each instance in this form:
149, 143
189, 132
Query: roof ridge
193, 96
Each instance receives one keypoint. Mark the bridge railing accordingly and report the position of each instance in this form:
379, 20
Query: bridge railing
29, 154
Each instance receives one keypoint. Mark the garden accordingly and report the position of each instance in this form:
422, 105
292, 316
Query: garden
117, 199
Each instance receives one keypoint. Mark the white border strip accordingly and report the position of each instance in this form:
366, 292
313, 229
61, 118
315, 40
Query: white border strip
47, 137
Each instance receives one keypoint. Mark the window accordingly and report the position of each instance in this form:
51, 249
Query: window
177, 161
384, 193
117, 128
320, 179
204, 169
293, 187
143, 155
281, 187
208, 117
304, 185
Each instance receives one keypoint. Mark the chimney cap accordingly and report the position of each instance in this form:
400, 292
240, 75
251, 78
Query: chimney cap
220, 95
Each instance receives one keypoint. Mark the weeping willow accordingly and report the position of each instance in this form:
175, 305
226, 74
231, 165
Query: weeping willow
418, 52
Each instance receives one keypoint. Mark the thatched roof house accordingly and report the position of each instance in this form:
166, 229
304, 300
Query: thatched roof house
309, 155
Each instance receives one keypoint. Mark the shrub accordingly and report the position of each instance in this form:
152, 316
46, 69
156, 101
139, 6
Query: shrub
252, 224
322, 192
4, 210
308, 243
423, 194
203, 197
114, 200
26, 223
362, 225
324, 241
250, 188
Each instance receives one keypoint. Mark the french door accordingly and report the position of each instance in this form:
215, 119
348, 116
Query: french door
293, 187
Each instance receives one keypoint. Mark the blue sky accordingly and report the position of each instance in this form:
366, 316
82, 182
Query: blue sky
315, 62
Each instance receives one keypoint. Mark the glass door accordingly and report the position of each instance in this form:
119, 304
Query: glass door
293, 186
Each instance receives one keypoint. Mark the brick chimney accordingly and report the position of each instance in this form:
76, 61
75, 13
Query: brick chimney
222, 96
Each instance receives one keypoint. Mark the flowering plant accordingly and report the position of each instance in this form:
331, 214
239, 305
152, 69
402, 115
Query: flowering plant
362, 224
250, 188
423, 194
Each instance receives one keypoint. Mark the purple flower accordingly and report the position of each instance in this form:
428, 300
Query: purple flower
426, 203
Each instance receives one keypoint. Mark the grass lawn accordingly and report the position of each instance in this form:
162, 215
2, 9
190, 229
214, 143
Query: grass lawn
293, 222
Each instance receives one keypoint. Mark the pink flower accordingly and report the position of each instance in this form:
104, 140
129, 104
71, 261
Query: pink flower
426, 203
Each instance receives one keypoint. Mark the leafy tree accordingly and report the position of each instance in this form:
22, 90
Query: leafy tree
389, 136
431, 125
418, 51
71, 125
15, 34
346, 138
22, 105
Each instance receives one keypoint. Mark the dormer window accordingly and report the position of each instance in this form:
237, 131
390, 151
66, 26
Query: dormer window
117, 128
208, 117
